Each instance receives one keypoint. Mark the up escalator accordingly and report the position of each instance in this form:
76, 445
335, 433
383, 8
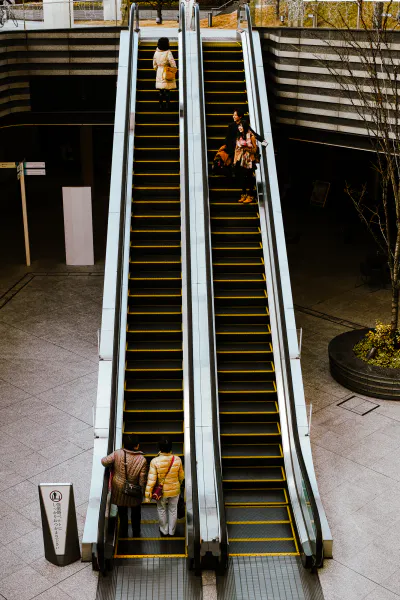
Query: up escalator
258, 512
153, 397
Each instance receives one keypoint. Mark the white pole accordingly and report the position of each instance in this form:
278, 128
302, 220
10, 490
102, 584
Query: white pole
25, 216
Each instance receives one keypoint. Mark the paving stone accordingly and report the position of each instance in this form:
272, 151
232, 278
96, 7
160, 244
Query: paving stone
24, 585
81, 585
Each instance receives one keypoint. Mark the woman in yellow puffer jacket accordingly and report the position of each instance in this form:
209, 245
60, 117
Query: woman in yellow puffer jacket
171, 477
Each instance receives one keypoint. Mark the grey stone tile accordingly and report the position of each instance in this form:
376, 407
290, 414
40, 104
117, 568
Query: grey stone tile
388, 465
56, 574
346, 584
53, 593
23, 585
30, 464
32, 512
348, 498
32, 408
8, 477
83, 388
373, 563
389, 408
84, 439
61, 451
9, 394
9, 562
31, 434
28, 547
82, 509
68, 426
382, 509
392, 583
19, 495
13, 526
372, 448
81, 585
382, 594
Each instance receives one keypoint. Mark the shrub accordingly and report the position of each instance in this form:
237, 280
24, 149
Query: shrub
386, 344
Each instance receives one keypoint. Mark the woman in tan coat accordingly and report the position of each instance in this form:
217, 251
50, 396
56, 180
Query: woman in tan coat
136, 471
169, 473
161, 59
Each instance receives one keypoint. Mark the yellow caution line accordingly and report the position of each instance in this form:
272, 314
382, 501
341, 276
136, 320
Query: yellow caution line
151, 555
262, 553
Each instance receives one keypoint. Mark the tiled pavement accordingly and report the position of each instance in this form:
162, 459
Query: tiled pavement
48, 368
48, 379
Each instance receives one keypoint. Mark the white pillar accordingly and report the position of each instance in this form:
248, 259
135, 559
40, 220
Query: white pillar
58, 14
112, 10
78, 226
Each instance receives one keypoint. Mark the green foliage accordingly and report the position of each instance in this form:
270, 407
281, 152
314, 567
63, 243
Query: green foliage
386, 343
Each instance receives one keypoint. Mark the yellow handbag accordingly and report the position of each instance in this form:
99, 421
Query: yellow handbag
169, 73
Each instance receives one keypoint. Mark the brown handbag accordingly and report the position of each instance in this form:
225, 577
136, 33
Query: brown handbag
158, 490
169, 73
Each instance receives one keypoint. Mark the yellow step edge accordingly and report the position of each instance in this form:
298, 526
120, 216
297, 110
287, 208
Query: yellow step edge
151, 555
263, 553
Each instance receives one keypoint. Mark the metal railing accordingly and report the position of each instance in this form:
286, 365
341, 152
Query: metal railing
313, 554
119, 331
210, 304
193, 516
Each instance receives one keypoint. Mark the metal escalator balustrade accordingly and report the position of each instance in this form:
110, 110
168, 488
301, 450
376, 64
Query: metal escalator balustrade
258, 513
153, 398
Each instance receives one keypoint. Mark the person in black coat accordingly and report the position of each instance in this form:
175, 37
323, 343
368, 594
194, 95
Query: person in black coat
233, 132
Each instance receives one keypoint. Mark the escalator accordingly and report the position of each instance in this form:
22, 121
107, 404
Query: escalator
153, 395
258, 513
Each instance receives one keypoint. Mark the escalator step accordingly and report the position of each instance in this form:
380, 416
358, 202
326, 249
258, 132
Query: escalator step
244, 348
151, 530
246, 407
154, 385
165, 327
250, 429
262, 548
261, 474
277, 531
256, 514
154, 365
246, 367
248, 311
154, 346
167, 547
234, 329
154, 427
149, 406
234, 451
247, 387
259, 496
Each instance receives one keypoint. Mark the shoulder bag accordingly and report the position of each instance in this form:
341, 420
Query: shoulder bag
131, 489
169, 73
158, 490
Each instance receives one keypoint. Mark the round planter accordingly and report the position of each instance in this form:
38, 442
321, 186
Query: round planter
357, 375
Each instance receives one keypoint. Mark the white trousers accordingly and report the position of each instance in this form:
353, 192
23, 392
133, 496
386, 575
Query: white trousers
167, 514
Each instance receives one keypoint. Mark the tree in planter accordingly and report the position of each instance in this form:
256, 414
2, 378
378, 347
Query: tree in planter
366, 70
158, 5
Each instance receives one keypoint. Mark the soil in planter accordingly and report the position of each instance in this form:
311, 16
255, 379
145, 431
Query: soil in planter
387, 352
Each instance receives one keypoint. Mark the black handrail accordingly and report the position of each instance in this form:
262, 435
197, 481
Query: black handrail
100, 564
188, 276
318, 555
210, 305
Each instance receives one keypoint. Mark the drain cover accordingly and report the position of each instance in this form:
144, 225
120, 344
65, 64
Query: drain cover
358, 405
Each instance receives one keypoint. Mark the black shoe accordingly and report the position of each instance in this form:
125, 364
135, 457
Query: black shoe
136, 533
161, 106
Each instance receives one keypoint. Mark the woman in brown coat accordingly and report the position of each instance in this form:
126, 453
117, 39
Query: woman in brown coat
136, 470
166, 468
